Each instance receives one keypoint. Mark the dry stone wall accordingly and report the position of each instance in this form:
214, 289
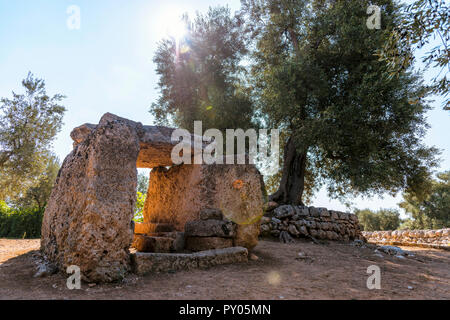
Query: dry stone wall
302, 221
421, 238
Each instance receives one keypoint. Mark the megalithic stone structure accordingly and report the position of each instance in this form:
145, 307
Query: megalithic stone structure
87, 221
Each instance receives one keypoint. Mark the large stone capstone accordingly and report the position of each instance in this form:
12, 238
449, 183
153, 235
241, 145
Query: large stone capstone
155, 144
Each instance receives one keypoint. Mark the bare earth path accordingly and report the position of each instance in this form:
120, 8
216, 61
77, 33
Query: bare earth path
329, 271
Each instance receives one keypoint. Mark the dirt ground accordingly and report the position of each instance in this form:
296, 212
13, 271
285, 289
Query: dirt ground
322, 271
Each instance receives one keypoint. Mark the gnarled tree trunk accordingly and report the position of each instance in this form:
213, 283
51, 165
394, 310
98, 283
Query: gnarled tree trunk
293, 178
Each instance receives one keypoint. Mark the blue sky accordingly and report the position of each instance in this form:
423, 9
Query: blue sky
106, 65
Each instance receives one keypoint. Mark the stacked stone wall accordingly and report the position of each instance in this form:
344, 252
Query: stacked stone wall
421, 238
302, 221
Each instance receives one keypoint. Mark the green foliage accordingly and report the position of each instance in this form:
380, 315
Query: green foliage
201, 77
433, 210
421, 22
142, 183
28, 124
141, 195
383, 219
38, 195
138, 211
316, 76
3, 206
20, 223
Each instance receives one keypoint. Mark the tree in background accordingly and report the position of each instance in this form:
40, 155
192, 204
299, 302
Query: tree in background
201, 77
141, 195
29, 123
38, 195
421, 22
142, 183
433, 211
348, 124
20, 222
384, 219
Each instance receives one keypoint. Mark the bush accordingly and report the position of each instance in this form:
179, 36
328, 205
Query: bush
433, 210
20, 222
139, 208
384, 219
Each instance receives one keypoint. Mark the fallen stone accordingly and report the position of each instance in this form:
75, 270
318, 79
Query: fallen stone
392, 250
245, 235
285, 237
254, 257
144, 263
45, 270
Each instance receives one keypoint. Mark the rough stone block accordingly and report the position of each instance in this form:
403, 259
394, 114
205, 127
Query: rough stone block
323, 212
334, 215
207, 243
210, 228
284, 211
179, 242
314, 212
87, 219
343, 215
144, 243
293, 230
144, 263
302, 211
